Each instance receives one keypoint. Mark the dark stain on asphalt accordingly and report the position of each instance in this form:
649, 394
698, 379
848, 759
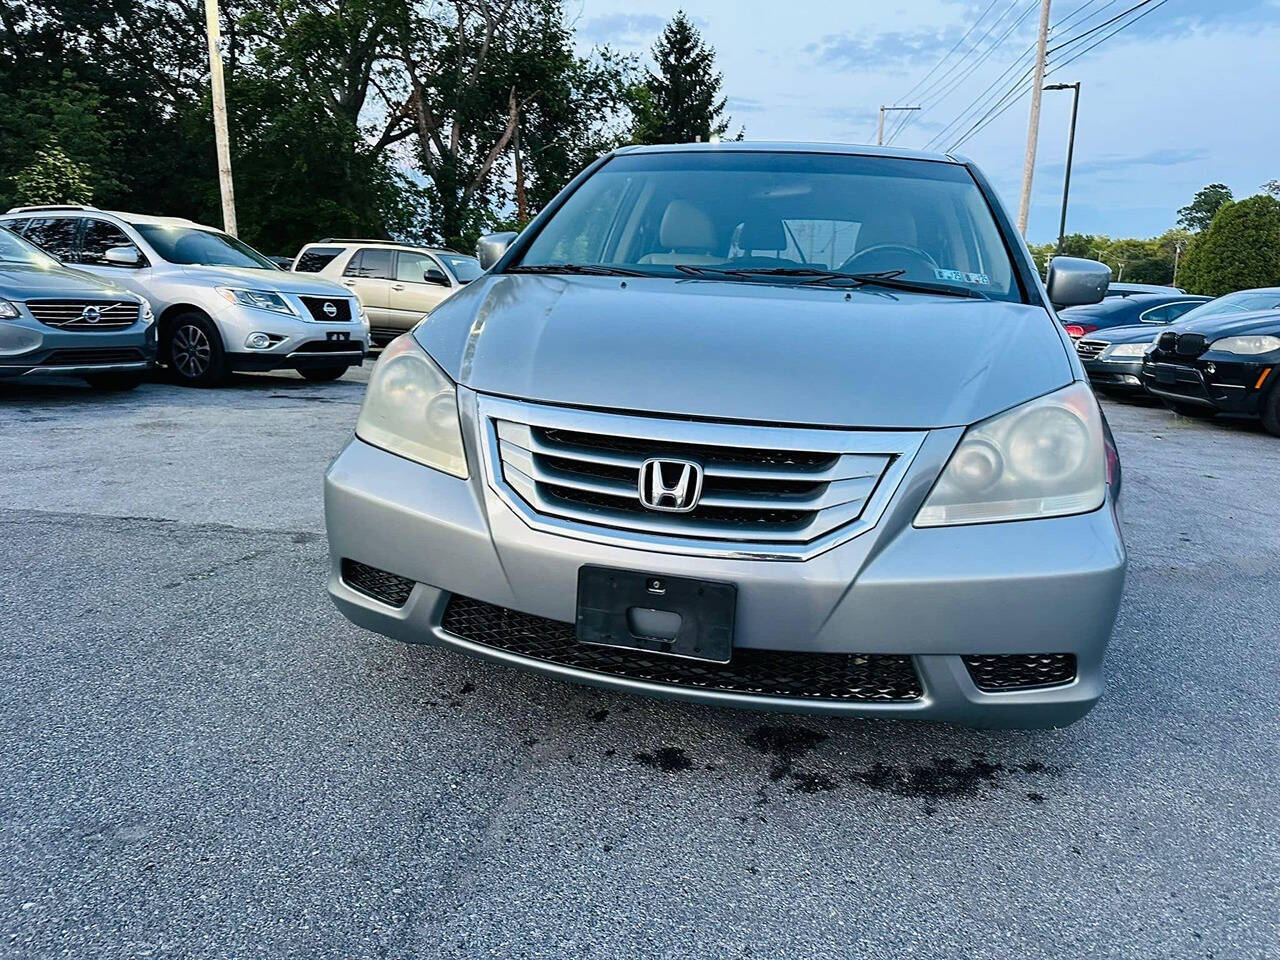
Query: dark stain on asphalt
803, 782
945, 777
467, 687
785, 745
667, 759
599, 715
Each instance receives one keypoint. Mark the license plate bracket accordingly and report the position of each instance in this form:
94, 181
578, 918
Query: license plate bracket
607, 599
1166, 375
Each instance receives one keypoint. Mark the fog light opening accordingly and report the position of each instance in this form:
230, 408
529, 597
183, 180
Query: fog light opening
258, 341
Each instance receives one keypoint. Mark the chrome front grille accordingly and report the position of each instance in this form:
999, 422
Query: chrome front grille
783, 490
1090, 349
87, 315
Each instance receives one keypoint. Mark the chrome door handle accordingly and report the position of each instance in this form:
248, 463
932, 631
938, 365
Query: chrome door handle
397, 286
348, 283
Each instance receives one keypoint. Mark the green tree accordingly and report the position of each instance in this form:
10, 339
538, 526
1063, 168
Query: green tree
680, 101
52, 177
1240, 249
1199, 213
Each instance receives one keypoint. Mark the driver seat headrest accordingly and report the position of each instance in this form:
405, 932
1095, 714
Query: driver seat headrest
887, 225
762, 234
686, 228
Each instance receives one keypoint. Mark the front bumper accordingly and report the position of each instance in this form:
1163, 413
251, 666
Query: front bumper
1123, 375
30, 348
1213, 381
1047, 586
298, 344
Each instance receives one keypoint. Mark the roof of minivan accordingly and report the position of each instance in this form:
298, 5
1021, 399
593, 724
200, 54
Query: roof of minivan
782, 146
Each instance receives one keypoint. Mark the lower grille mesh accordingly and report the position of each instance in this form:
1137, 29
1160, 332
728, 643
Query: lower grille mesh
815, 676
379, 584
1021, 671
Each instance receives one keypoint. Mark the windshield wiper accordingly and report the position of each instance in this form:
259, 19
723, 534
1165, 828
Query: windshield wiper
813, 276
579, 269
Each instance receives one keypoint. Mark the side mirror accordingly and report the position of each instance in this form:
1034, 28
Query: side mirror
1074, 282
125, 256
491, 248
435, 276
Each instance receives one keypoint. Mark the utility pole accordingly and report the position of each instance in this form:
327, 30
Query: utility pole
880, 125
1071, 149
220, 135
1177, 258
1033, 126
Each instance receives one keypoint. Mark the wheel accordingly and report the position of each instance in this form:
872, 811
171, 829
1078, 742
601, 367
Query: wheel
194, 350
1271, 412
113, 381
324, 374
1192, 411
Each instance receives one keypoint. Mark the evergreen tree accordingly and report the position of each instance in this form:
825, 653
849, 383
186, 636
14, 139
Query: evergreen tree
681, 101
1239, 250
1199, 213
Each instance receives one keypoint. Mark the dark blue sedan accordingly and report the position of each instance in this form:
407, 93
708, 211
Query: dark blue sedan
1127, 311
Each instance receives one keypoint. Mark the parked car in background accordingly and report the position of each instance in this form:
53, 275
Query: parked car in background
1154, 308
1129, 289
783, 426
219, 304
398, 283
282, 263
1225, 363
60, 322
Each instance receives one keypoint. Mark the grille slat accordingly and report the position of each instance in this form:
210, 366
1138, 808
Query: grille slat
769, 492
1090, 349
851, 677
70, 314
78, 357
1021, 671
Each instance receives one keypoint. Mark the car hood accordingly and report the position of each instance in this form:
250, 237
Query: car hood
1136, 333
278, 281
23, 282
1231, 324
745, 351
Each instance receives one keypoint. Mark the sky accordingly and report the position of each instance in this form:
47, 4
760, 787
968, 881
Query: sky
1185, 97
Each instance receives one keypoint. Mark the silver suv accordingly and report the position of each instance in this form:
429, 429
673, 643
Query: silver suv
219, 304
779, 426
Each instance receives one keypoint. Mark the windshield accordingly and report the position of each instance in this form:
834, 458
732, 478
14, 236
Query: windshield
464, 268
780, 217
206, 248
13, 249
1246, 301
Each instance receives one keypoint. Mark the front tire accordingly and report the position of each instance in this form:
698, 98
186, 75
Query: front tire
323, 374
114, 381
1271, 411
195, 353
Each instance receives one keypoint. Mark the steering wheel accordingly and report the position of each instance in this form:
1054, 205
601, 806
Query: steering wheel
892, 256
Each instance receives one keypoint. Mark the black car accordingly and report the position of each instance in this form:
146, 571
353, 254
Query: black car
1220, 364
1127, 310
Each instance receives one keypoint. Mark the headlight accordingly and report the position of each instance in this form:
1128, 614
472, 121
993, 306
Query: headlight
1126, 350
411, 409
1246, 345
1045, 458
259, 299
7, 310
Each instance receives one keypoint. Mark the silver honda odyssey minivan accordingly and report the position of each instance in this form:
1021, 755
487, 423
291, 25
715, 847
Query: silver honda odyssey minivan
791, 427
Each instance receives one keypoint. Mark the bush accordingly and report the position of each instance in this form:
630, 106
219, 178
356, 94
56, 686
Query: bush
1240, 249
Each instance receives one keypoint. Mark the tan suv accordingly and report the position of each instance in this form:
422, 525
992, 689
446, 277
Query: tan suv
398, 284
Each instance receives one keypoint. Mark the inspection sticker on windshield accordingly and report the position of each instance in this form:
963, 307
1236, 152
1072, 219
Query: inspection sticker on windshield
959, 276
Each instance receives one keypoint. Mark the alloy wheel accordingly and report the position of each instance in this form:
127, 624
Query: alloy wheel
191, 351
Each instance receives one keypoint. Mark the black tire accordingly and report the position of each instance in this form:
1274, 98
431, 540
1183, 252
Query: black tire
1192, 411
1270, 410
193, 349
114, 381
324, 374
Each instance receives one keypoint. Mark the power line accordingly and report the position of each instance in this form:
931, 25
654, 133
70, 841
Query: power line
1105, 23
984, 99
972, 27
983, 124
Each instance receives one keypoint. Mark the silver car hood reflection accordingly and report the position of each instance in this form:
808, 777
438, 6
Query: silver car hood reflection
746, 351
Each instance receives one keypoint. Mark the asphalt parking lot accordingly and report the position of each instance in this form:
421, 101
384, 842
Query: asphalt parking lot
201, 758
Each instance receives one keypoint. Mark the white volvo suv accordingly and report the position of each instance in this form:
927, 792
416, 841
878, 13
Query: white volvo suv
219, 304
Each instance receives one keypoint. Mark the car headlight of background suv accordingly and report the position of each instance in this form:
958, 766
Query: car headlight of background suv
1045, 458
411, 409
258, 299
1246, 346
1127, 351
